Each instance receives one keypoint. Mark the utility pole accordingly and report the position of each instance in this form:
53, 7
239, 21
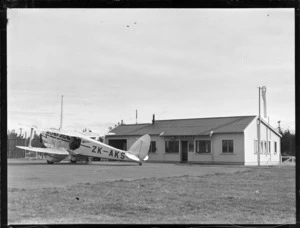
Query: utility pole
260, 147
268, 145
258, 132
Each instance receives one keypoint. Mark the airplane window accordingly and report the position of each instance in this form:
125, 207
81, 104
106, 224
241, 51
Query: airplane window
74, 143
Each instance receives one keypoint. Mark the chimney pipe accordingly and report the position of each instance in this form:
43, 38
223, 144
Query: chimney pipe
153, 119
136, 116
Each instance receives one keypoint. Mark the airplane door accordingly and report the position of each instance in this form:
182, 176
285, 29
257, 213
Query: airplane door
184, 151
74, 143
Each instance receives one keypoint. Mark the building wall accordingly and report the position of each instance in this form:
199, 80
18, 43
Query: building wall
201, 157
216, 155
244, 148
266, 157
130, 139
160, 154
237, 157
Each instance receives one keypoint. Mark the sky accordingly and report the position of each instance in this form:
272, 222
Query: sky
174, 63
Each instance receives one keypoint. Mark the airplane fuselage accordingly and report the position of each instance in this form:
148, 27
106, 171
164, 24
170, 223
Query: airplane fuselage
101, 150
82, 147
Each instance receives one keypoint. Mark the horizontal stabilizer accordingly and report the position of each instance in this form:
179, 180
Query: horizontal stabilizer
60, 150
132, 157
146, 158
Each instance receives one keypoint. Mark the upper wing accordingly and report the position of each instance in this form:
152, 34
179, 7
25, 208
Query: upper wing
81, 135
60, 151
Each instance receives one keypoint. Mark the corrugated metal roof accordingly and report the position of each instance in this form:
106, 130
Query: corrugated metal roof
185, 127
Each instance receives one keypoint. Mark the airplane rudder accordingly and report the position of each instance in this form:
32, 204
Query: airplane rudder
141, 146
146, 139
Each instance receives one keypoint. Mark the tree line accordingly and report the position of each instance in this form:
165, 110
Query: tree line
287, 143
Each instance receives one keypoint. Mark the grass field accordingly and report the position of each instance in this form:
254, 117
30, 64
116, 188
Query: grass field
257, 196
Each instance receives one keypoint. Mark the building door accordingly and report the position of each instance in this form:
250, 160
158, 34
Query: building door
184, 151
118, 143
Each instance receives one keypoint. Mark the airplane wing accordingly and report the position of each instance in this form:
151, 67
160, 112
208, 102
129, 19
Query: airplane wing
81, 135
59, 151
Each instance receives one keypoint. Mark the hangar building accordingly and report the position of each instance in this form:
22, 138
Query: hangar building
219, 140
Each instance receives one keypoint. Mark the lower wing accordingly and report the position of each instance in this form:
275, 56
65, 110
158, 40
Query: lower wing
60, 151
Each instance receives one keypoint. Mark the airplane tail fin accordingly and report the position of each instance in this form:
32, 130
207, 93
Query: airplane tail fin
140, 147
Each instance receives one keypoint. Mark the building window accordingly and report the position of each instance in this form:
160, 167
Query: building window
263, 147
227, 146
191, 146
152, 148
203, 146
172, 146
275, 147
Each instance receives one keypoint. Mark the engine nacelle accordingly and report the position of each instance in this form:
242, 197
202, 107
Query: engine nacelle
55, 158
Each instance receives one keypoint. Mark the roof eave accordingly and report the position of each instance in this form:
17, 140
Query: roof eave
265, 123
171, 135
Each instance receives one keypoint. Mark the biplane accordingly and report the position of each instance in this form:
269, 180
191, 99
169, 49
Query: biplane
79, 146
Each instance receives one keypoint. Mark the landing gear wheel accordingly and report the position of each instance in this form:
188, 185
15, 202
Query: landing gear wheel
140, 163
49, 162
73, 162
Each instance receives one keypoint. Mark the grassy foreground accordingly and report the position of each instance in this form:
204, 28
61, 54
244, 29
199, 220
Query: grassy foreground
259, 195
